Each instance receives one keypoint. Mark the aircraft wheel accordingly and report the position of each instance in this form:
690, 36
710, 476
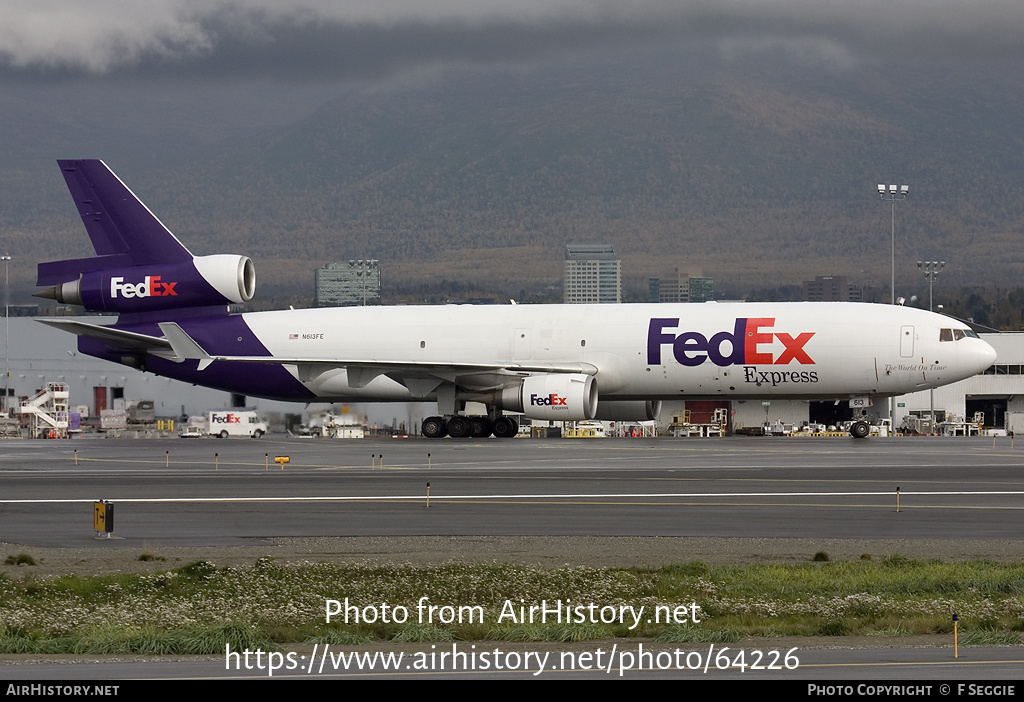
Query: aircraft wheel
434, 428
481, 427
860, 430
459, 427
505, 428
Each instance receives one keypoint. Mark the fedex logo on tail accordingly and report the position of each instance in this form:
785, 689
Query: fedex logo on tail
747, 344
151, 286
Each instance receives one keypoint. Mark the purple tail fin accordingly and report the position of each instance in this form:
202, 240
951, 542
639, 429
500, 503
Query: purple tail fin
139, 266
122, 229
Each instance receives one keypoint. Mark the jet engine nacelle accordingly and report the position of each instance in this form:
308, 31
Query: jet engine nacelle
570, 397
205, 280
627, 411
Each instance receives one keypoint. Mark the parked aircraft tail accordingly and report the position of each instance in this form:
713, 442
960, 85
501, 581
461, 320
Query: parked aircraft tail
140, 266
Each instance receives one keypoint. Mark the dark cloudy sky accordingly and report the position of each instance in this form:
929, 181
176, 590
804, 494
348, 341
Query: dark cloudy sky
152, 86
359, 39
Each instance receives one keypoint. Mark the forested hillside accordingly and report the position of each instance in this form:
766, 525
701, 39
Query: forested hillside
755, 176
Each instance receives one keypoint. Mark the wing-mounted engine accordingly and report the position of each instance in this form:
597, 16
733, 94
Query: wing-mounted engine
568, 397
628, 411
203, 280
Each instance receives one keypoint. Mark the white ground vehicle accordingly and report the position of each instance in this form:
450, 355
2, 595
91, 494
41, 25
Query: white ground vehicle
191, 431
235, 423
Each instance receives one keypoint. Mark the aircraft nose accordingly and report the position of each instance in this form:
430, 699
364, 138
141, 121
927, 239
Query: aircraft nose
985, 356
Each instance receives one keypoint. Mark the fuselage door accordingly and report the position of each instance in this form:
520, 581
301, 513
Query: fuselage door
521, 345
907, 341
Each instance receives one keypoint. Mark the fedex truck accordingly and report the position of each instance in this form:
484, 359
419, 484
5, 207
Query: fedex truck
235, 423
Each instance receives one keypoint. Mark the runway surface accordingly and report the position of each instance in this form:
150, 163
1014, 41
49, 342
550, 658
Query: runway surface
543, 501
622, 660
223, 492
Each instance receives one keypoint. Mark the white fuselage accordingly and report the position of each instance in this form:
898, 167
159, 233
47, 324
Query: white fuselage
634, 351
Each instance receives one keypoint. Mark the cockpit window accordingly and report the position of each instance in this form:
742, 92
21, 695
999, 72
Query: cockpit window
956, 334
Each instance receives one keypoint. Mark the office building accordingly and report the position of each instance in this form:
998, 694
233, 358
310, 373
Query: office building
831, 288
681, 288
592, 274
702, 289
356, 282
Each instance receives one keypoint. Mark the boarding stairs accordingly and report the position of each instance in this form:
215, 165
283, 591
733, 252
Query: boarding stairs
48, 411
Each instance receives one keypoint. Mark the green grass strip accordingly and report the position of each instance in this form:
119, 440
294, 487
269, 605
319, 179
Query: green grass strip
200, 608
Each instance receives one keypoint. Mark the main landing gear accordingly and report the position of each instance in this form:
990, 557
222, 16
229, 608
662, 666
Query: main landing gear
860, 429
478, 427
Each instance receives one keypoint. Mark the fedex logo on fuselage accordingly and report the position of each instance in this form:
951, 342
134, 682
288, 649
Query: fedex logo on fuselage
226, 419
151, 286
746, 344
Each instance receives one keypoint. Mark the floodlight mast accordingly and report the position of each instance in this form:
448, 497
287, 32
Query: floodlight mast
931, 271
893, 194
6, 258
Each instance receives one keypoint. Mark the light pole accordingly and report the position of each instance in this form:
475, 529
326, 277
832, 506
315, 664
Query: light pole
931, 271
892, 193
6, 258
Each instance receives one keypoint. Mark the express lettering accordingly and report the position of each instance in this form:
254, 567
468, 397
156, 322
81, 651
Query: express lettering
151, 286
744, 345
752, 375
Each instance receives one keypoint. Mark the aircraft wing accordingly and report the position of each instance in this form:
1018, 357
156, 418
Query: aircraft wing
421, 377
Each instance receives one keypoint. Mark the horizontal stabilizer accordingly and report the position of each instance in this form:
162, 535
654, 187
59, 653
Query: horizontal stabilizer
115, 337
57, 272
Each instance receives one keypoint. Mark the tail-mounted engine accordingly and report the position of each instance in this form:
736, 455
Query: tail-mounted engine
204, 280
